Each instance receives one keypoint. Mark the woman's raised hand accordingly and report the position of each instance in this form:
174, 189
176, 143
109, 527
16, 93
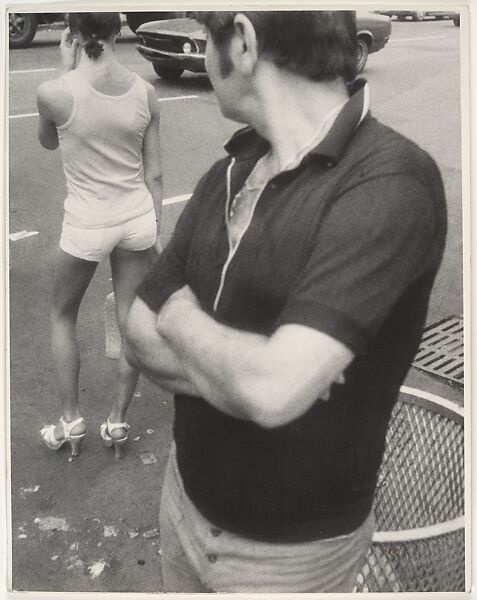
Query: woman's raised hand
70, 49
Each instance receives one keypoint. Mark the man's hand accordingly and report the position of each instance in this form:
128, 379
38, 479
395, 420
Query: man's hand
70, 50
326, 394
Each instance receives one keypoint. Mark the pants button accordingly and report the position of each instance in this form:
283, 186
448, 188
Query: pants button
212, 558
215, 532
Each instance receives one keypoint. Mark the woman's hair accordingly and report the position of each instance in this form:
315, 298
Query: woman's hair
319, 45
94, 27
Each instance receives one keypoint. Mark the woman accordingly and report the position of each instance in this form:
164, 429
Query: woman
106, 121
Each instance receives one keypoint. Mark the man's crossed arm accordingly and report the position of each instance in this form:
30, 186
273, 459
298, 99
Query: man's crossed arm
268, 380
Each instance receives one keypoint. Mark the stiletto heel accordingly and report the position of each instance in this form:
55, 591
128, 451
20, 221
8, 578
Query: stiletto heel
75, 441
120, 448
118, 444
76, 444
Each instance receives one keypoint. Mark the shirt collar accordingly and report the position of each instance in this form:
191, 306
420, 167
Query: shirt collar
247, 143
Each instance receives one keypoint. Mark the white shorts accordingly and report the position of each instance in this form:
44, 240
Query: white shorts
96, 244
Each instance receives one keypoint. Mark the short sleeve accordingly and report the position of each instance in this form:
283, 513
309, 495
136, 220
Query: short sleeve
167, 274
376, 240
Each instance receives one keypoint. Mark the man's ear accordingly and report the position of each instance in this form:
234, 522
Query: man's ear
243, 45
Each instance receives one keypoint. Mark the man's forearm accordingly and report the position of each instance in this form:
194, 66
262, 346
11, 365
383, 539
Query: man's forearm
165, 372
216, 359
268, 380
151, 354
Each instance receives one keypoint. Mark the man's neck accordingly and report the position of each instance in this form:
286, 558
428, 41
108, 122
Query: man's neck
289, 110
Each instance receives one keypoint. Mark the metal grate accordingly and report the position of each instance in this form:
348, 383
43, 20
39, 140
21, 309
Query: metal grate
441, 351
419, 544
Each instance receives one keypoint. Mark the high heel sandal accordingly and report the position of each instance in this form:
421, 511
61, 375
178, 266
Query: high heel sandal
75, 441
118, 444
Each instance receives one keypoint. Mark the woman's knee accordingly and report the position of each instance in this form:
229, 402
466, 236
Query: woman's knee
64, 312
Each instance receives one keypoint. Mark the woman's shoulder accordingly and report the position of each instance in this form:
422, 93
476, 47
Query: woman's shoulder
55, 97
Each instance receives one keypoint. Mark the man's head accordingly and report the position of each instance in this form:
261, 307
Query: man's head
317, 45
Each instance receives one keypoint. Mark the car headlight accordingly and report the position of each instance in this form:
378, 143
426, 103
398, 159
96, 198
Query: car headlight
187, 48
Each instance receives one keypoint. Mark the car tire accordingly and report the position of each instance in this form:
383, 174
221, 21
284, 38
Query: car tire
456, 20
22, 29
362, 54
418, 15
167, 72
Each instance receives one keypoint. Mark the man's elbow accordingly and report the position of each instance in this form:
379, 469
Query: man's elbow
267, 407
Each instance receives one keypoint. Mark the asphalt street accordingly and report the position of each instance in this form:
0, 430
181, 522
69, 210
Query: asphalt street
91, 524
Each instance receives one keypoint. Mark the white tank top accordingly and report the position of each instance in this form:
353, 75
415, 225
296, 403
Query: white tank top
101, 145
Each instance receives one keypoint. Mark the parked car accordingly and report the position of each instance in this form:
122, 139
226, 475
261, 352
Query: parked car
23, 26
178, 45
417, 15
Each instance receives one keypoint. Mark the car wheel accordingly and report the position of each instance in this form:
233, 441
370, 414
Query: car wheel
167, 72
456, 20
22, 29
418, 15
362, 54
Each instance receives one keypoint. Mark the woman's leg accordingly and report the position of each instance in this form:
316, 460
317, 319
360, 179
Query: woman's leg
128, 270
71, 279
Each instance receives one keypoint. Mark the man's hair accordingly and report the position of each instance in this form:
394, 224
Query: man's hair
320, 45
94, 27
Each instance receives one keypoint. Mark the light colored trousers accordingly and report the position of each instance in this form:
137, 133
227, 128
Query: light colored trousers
199, 557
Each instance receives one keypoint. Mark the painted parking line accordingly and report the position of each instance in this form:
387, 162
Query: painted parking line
21, 235
176, 199
35, 114
22, 71
189, 97
417, 39
24, 116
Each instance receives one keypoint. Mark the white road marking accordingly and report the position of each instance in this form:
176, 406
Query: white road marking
24, 116
176, 199
35, 114
21, 71
14, 237
417, 39
189, 97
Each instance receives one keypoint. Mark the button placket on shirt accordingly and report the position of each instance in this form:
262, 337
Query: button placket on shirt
212, 545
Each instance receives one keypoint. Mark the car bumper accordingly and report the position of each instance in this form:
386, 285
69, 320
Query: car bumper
378, 44
176, 60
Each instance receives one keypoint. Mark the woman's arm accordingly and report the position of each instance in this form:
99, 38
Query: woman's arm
47, 133
53, 99
152, 158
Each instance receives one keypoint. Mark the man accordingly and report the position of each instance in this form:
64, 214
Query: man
300, 271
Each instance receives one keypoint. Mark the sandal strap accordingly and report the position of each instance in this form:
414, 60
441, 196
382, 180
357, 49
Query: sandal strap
67, 427
112, 426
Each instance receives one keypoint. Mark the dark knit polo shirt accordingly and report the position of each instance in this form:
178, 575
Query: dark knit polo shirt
347, 243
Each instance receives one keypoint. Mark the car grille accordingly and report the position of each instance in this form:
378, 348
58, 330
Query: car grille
166, 43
